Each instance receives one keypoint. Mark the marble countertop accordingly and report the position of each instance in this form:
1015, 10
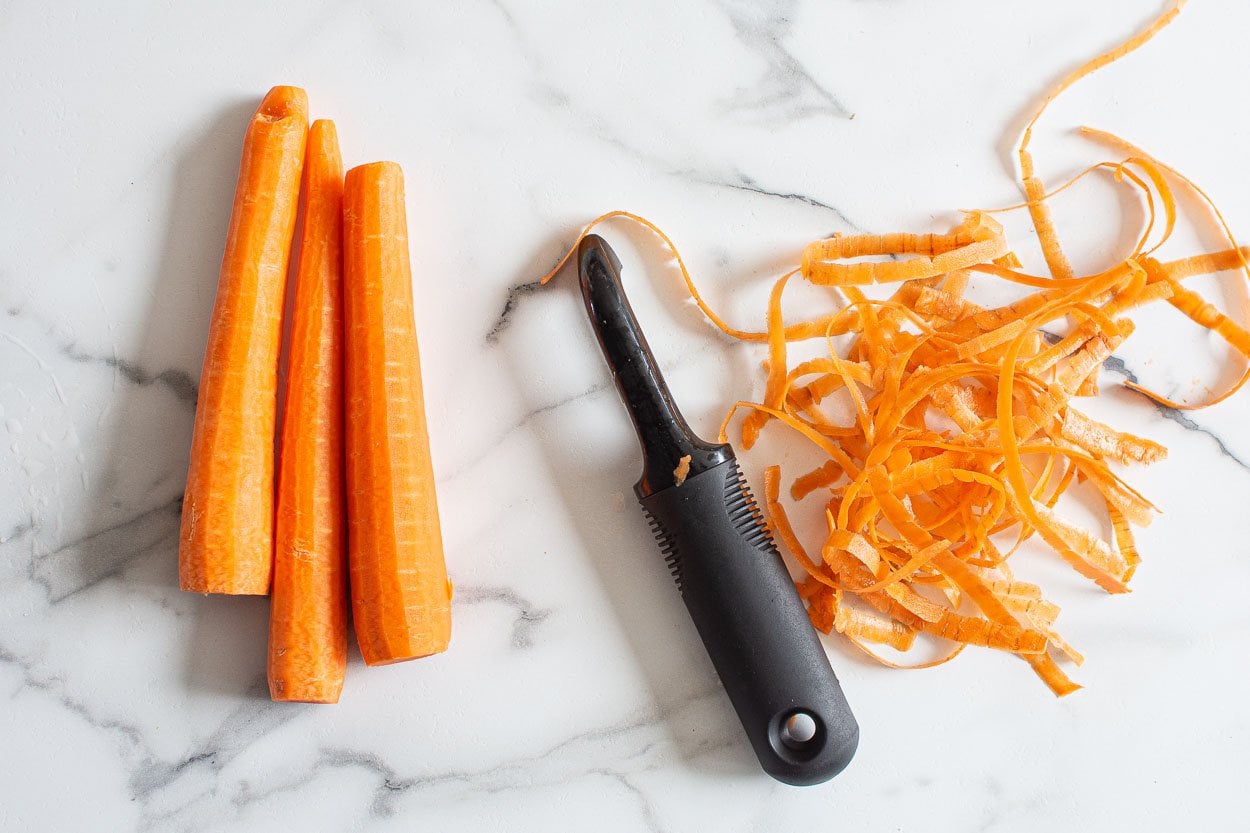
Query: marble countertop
576, 694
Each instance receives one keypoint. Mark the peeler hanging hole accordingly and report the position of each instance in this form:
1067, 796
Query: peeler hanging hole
799, 729
797, 736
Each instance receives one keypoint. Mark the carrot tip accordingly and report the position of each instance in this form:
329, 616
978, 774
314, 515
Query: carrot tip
378, 169
223, 588
305, 694
282, 103
392, 660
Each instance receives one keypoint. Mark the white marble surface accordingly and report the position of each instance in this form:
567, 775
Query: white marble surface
576, 694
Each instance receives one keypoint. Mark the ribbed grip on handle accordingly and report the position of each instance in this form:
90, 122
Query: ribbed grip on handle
751, 620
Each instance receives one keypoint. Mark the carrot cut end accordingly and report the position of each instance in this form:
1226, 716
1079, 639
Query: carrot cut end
283, 102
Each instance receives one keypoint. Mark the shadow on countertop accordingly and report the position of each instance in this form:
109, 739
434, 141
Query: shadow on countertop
152, 418
691, 705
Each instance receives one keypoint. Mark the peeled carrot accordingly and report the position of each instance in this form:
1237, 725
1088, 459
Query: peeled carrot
401, 598
308, 613
226, 540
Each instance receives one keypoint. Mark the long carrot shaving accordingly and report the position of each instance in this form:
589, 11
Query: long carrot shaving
1205, 264
775, 389
1039, 209
780, 522
796, 332
1200, 312
857, 623
976, 240
1103, 440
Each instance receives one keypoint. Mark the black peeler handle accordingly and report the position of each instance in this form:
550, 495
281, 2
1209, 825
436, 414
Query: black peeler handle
723, 559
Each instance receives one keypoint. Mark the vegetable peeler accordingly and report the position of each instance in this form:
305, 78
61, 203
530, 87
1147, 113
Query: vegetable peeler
722, 557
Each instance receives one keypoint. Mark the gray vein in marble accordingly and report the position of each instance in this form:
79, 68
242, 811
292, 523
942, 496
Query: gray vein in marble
85, 562
786, 82
178, 382
1005, 815
649, 816
786, 74
18, 531
147, 774
764, 36
526, 419
749, 185
530, 416
42, 365
253, 718
10, 657
1188, 424
507, 15
741, 182
390, 784
692, 747
528, 615
515, 294
1116, 365
130, 732
53, 687
523, 772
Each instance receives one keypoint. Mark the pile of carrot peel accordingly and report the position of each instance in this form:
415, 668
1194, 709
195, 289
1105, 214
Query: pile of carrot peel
966, 429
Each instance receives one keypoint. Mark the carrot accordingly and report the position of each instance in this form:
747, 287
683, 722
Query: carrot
308, 612
401, 598
226, 540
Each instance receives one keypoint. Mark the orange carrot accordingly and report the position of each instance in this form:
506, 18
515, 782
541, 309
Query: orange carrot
226, 540
308, 614
401, 598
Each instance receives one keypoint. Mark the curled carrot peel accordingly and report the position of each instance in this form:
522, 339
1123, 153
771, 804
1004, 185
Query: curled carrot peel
1039, 209
965, 428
